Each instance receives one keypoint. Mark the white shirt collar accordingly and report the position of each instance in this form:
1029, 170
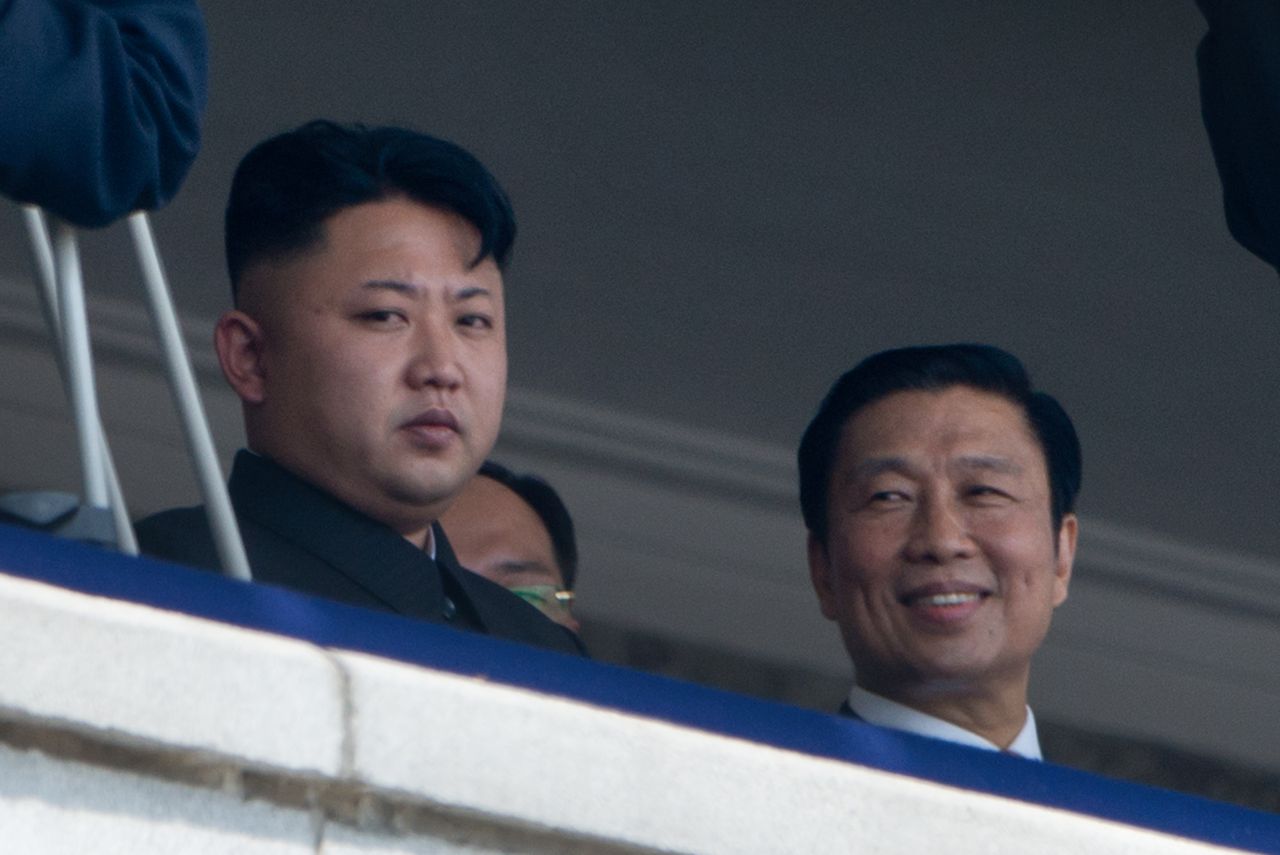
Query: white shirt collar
875, 709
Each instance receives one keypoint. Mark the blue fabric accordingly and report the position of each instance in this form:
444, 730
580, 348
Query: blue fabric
1239, 62
83, 568
100, 103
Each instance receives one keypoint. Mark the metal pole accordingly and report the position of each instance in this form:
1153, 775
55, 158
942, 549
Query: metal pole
75, 332
222, 521
42, 257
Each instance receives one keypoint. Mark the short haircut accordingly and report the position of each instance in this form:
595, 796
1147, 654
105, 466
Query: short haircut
286, 187
935, 368
549, 507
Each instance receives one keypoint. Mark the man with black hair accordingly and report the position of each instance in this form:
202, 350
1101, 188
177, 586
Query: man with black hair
938, 489
367, 344
515, 530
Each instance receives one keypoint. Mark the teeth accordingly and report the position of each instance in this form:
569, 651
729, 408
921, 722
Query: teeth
949, 599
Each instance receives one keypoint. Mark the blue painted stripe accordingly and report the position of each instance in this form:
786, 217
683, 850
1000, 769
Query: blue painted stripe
261, 607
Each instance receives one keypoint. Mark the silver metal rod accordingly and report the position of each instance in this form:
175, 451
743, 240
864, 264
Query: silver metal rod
42, 258
46, 277
126, 540
222, 521
79, 363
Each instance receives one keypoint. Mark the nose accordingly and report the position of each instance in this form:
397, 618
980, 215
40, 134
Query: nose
433, 360
938, 533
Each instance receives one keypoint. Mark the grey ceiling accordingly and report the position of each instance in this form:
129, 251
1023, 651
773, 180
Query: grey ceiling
725, 204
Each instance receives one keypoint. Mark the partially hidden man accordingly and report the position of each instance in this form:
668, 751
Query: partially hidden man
514, 529
938, 488
367, 345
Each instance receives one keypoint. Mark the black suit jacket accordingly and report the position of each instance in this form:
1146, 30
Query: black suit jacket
300, 537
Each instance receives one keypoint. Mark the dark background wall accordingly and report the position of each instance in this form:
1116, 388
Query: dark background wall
725, 204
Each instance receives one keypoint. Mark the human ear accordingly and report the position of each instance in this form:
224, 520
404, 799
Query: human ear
1065, 558
238, 338
820, 575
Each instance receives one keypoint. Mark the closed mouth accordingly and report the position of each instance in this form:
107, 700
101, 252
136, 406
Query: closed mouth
434, 418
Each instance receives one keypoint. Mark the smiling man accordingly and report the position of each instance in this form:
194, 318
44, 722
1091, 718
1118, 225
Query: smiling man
367, 345
938, 489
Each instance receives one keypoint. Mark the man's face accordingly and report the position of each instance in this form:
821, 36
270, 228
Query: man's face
940, 564
379, 365
496, 534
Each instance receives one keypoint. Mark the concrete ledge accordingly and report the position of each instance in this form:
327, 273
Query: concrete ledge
141, 675
53, 806
133, 729
581, 770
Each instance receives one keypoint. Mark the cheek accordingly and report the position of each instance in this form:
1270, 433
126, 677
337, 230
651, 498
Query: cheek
868, 558
488, 382
490, 364
879, 541
1026, 562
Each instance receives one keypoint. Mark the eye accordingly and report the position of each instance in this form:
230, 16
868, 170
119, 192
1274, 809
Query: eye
475, 321
986, 493
886, 498
382, 317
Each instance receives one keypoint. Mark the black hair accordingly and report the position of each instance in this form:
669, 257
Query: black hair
549, 507
934, 368
286, 187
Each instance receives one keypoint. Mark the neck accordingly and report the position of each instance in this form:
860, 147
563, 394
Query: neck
996, 713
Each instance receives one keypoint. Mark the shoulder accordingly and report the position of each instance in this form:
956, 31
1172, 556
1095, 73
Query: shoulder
179, 534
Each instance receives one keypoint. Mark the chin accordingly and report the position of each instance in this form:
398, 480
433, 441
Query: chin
419, 495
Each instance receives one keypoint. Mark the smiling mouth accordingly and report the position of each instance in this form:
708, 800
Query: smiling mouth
945, 603
937, 600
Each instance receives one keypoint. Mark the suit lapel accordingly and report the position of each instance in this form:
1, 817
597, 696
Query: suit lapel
491, 603
400, 576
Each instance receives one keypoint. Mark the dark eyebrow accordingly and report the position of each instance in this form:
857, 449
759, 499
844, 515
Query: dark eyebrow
860, 475
470, 292
408, 289
990, 463
975, 462
877, 465
398, 287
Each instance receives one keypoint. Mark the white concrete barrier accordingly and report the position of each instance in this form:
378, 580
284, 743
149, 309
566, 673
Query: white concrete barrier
132, 729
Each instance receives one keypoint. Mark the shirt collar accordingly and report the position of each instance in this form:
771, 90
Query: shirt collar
879, 710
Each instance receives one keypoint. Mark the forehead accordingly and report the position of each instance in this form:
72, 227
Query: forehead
396, 221
487, 510
392, 239
945, 424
